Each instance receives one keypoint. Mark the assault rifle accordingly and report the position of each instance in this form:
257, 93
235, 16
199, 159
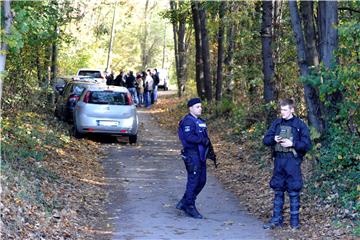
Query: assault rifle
211, 154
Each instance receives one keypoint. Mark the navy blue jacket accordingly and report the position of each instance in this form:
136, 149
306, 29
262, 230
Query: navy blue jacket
301, 134
193, 135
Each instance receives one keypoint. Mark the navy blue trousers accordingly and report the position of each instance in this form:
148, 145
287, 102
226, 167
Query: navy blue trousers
287, 173
196, 178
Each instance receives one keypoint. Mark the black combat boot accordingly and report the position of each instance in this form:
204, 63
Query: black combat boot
277, 218
294, 209
193, 212
181, 205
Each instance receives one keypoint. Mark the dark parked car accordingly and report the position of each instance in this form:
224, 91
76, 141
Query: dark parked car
68, 97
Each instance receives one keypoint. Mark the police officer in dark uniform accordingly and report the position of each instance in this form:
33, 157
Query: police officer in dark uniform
194, 138
290, 139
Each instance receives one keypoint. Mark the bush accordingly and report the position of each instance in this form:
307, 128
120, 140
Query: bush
336, 179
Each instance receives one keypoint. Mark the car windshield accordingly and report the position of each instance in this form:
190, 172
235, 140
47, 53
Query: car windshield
94, 74
108, 97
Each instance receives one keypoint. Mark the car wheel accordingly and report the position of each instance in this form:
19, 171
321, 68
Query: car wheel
132, 139
76, 133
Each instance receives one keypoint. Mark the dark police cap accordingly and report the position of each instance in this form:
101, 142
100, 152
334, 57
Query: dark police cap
193, 101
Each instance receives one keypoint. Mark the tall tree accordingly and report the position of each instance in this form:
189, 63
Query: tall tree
199, 75
328, 41
267, 56
307, 57
178, 18
219, 72
144, 50
6, 9
230, 45
205, 52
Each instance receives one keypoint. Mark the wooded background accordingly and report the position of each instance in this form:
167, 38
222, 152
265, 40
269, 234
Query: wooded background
241, 57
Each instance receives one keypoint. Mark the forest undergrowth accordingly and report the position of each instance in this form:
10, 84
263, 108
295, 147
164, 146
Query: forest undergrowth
50, 182
246, 168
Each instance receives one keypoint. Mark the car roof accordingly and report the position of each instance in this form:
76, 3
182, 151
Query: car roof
90, 69
107, 87
83, 83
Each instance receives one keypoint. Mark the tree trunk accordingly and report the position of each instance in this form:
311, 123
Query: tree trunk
175, 30
230, 45
182, 52
198, 54
267, 56
6, 10
219, 72
205, 53
144, 52
54, 68
328, 36
311, 96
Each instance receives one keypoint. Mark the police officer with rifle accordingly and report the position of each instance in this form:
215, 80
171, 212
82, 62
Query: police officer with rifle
196, 149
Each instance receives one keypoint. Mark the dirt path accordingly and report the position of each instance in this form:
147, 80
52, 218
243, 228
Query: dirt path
147, 180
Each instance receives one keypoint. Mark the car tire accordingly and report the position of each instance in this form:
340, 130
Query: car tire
133, 139
76, 133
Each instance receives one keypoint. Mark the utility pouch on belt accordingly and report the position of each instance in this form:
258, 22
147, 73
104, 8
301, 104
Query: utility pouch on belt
285, 132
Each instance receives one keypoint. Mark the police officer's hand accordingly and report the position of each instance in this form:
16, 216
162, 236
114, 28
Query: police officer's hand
277, 138
286, 142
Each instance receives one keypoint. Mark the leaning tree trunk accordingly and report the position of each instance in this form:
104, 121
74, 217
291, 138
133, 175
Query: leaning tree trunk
219, 72
205, 53
311, 96
328, 34
198, 53
4, 47
267, 56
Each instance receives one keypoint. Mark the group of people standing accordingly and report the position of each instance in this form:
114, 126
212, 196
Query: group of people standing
143, 87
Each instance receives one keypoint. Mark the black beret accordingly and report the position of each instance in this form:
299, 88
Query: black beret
193, 101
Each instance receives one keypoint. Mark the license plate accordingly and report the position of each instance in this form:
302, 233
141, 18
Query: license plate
108, 123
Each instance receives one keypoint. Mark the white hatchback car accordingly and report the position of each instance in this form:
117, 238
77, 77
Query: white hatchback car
106, 110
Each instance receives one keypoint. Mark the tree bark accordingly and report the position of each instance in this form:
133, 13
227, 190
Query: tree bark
54, 67
311, 95
182, 52
328, 35
230, 45
144, 52
267, 56
4, 47
199, 77
173, 7
205, 53
219, 72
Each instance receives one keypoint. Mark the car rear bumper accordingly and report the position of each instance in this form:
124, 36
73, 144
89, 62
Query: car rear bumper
91, 125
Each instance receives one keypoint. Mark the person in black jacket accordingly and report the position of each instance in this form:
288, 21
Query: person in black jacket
131, 86
290, 139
